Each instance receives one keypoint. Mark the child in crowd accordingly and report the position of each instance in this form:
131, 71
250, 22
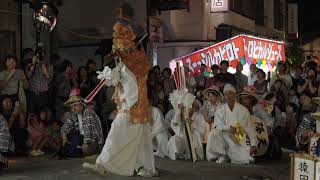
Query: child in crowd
293, 97
286, 128
38, 132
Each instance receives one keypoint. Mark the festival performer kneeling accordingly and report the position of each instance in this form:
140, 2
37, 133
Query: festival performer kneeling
227, 139
178, 145
128, 148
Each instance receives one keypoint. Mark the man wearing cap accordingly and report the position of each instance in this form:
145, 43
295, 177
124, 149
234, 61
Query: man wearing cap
227, 138
81, 133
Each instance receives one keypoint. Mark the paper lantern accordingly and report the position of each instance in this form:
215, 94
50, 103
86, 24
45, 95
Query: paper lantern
243, 61
249, 61
254, 61
259, 63
304, 167
264, 62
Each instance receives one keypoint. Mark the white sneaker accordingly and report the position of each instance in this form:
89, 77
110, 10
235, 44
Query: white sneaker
221, 160
252, 160
95, 168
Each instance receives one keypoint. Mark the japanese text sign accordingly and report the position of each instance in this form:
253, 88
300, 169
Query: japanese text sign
219, 6
241, 48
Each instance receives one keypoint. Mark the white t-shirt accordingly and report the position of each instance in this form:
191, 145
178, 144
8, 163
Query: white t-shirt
80, 124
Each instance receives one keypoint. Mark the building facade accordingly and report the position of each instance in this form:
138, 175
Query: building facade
185, 31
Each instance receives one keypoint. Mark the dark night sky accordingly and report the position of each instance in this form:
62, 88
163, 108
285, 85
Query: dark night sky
310, 19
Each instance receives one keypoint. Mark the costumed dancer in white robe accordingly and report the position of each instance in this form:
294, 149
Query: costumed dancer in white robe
128, 148
160, 135
178, 146
227, 138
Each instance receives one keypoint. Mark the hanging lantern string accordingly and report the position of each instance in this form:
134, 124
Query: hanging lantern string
65, 29
13, 12
83, 35
62, 28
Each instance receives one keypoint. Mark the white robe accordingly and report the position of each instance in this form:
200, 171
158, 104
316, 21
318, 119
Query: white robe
223, 143
178, 146
128, 146
160, 134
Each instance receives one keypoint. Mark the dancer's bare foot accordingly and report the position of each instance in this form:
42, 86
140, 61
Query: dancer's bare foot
95, 168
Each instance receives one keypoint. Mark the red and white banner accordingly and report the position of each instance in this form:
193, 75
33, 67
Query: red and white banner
242, 48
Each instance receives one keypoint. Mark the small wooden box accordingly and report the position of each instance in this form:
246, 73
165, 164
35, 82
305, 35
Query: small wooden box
304, 167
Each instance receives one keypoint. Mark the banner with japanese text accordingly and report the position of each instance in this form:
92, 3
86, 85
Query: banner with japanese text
242, 49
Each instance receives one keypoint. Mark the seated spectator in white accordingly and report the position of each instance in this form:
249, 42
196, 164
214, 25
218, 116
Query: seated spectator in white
231, 120
15, 116
81, 133
178, 145
160, 135
6, 143
13, 81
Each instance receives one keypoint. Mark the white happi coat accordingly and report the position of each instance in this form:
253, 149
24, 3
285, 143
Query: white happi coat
178, 146
160, 134
223, 143
128, 146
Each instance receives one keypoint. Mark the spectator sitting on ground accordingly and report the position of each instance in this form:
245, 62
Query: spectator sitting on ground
14, 114
38, 131
6, 142
307, 127
81, 133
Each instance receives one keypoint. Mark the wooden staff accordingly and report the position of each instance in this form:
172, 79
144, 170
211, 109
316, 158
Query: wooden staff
184, 117
181, 85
